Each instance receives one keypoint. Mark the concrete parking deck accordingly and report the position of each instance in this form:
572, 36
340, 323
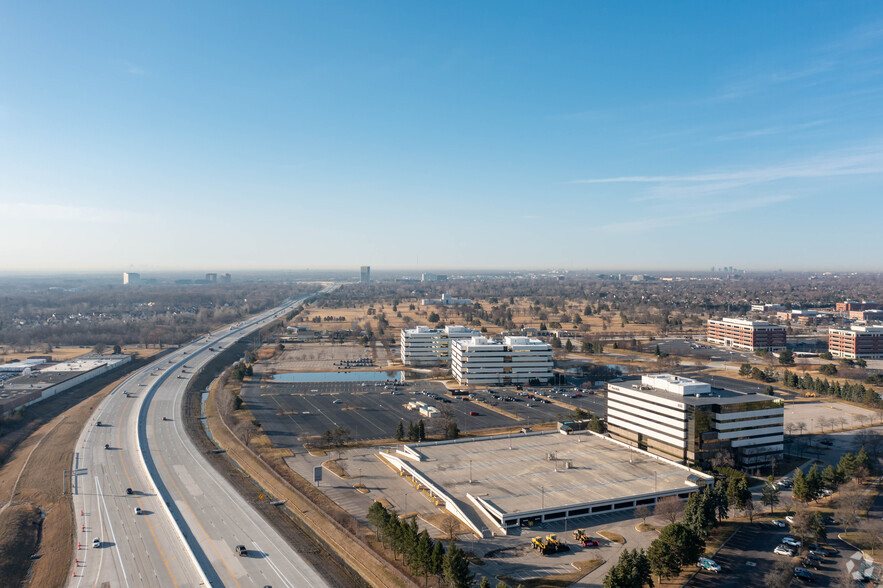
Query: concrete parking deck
534, 478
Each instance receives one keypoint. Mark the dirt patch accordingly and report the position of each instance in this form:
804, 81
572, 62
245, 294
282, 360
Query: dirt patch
643, 527
19, 537
558, 580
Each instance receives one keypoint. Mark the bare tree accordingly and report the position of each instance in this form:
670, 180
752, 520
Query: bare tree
723, 458
852, 503
825, 422
669, 508
841, 421
780, 576
450, 526
873, 530
642, 511
800, 426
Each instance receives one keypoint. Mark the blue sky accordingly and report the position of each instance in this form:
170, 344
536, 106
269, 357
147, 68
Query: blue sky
215, 135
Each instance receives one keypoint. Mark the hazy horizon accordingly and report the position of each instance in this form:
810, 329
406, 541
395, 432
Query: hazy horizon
642, 137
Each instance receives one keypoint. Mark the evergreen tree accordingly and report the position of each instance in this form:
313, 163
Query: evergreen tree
484, 583
830, 478
846, 466
422, 562
863, 461
412, 431
437, 559
700, 512
677, 546
631, 571
813, 482
455, 568
421, 431
801, 488
400, 432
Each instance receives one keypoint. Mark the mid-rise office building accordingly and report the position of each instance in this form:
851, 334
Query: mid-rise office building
425, 346
857, 342
766, 307
866, 315
226, 278
515, 360
131, 278
688, 421
848, 306
445, 300
365, 272
211, 278
746, 335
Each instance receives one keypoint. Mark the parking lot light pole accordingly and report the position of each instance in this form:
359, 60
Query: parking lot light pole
470, 471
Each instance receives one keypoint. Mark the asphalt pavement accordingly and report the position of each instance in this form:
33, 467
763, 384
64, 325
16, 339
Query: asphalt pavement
192, 518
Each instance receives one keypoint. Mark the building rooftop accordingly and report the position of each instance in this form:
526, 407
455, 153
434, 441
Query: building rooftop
713, 396
748, 323
516, 475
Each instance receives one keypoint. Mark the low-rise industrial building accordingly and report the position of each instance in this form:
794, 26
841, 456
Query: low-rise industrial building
746, 335
495, 485
689, 422
515, 360
423, 346
857, 342
37, 385
866, 315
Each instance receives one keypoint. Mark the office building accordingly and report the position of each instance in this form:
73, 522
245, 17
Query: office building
429, 277
766, 307
746, 335
857, 342
515, 360
445, 300
365, 274
848, 306
226, 278
131, 278
688, 421
425, 346
799, 316
866, 315
211, 278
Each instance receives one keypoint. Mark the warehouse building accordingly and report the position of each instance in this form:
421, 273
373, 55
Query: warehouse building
496, 485
515, 360
746, 335
37, 385
688, 421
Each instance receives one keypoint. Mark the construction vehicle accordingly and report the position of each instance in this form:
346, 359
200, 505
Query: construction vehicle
587, 541
548, 544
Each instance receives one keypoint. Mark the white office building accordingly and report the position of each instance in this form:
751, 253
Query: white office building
425, 346
515, 360
689, 422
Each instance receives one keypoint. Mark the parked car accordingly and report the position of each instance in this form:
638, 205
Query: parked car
803, 574
96, 542
137, 510
783, 550
778, 523
709, 565
241, 551
811, 563
128, 490
789, 518
791, 541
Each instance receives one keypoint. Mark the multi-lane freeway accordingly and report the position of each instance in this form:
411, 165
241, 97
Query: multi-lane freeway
189, 519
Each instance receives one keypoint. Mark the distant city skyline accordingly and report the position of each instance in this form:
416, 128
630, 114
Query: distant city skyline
666, 136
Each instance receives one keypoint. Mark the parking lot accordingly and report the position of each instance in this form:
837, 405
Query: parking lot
748, 556
293, 412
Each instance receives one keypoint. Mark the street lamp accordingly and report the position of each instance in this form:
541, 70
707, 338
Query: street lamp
470, 471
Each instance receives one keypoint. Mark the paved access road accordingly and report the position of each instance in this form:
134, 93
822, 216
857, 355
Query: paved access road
191, 519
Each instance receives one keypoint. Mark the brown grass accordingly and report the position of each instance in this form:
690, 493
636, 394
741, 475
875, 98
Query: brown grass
40, 486
439, 519
583, 568
335, 468
611, 536
643, 527
19, 535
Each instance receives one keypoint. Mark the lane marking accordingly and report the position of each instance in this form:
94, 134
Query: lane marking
138, 500
272, 565
112, 534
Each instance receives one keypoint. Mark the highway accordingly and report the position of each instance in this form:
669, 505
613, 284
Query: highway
191, 519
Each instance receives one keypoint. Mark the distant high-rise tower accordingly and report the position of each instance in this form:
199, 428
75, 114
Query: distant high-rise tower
131, 278
366, 274
211, 277
226, 278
